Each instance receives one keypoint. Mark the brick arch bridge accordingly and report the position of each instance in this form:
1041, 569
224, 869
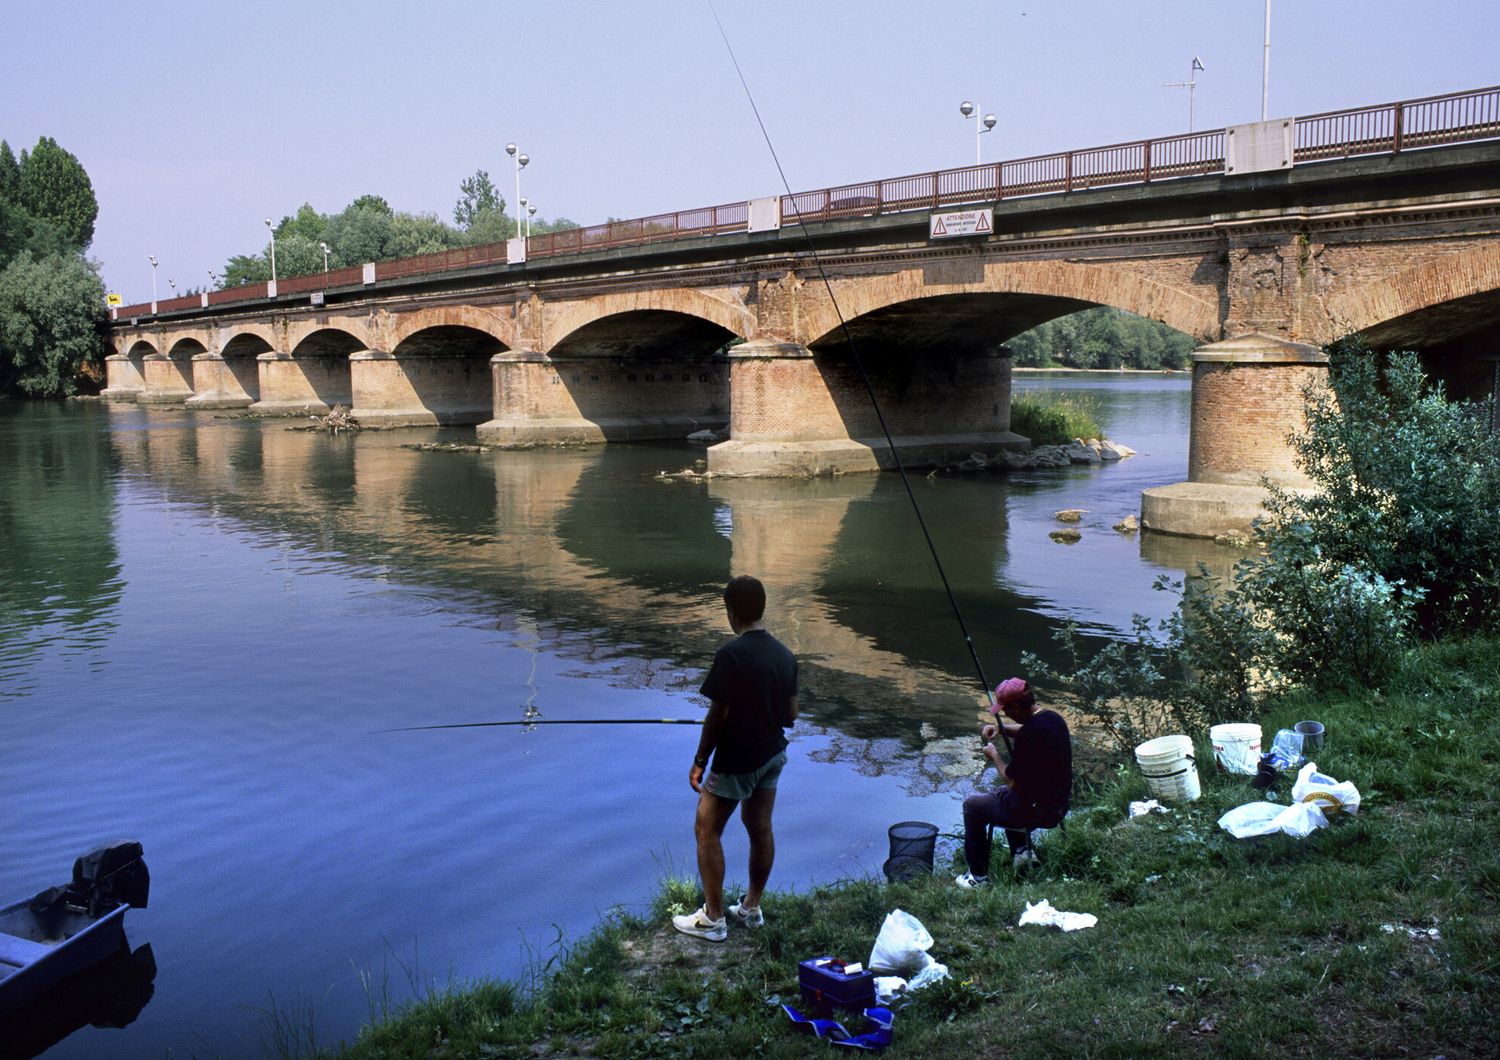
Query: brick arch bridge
738, 328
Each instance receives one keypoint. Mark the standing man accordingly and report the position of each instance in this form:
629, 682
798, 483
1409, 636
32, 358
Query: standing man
1038, 781
752, 692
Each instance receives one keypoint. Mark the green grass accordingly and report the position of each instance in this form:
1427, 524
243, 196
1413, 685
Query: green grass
1205, 944
1048, 417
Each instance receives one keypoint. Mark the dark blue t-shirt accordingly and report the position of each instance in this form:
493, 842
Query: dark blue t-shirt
754, 675
1042, 764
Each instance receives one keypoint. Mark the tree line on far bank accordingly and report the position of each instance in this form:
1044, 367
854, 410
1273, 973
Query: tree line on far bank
1102, 338
368, 229
51, 296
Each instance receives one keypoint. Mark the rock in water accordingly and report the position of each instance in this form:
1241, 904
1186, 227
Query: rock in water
1070, 515
1065, 537
1128, 525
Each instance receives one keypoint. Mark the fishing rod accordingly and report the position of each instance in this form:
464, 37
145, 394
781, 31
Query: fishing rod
863, 375
550, 721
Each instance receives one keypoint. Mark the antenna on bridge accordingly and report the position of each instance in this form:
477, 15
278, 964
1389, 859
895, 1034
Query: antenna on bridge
1191, 84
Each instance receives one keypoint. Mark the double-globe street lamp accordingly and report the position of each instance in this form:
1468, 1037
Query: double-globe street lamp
324, 246
981, 125
152, 258
521, 160
273, 248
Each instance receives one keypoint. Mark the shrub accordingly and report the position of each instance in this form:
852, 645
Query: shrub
1050, 418
1398, 538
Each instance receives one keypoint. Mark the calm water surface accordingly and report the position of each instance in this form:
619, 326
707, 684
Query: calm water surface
206, 623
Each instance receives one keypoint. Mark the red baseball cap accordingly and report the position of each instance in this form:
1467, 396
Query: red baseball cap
1008, 691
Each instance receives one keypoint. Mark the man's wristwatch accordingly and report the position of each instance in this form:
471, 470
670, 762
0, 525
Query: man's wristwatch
700, 762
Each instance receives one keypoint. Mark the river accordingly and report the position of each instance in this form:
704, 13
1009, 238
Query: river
208, 623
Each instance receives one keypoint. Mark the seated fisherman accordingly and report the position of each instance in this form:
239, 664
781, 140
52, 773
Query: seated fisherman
1038, 781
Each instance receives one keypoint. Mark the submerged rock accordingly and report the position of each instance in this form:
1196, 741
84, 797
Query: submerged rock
1069, 515
1128, 525
1065, 537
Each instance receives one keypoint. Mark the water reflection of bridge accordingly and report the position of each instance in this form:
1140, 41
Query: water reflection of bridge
610, 564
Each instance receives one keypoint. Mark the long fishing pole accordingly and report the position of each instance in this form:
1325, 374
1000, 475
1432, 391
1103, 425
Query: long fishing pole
863, 375
550, 721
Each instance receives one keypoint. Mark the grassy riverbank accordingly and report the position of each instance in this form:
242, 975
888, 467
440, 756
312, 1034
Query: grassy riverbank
1374, 937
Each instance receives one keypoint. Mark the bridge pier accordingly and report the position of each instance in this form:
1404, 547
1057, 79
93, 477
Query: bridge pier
168, 380
797, 412
1248, 397
301, 386
223, 383
585, 400
417, 389
123, 378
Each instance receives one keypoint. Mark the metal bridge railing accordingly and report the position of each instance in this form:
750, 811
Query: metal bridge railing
1457, 117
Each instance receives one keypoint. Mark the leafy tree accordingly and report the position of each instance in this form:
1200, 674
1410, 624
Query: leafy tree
10, 174
51, 316
422, 233
1408, 491
245, 268
307, 224
477, 196
1102, 338
372, 202
54, 187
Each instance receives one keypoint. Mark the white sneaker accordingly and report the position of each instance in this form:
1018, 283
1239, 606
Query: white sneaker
968, 881
699, 925
749, 915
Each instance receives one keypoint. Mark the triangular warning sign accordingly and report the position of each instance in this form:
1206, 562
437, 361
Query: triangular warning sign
939, 226
984, 223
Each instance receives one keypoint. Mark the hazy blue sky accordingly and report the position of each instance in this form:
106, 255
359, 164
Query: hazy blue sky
197, 120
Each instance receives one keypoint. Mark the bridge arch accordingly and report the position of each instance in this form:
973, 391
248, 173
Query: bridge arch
186, 346
1072, 285
326, 342
1390, 310
233, 336
474, 318
565, 321
140, 348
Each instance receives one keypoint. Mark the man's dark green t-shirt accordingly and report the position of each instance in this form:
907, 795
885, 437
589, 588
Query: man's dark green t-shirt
754, 675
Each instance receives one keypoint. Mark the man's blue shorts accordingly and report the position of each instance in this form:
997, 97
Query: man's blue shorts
738, 786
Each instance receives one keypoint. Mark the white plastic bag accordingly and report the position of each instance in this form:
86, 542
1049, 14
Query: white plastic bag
1044, 914
1331, 795
927, 976
901, 946
1266, 818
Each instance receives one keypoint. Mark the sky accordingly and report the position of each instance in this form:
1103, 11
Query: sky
196, 121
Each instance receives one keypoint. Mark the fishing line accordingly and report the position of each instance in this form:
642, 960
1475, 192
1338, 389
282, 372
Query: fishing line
860, 365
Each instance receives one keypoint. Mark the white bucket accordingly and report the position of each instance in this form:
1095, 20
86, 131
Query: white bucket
1167, 764
1236, 747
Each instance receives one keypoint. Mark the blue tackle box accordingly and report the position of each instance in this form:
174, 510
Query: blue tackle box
825, 983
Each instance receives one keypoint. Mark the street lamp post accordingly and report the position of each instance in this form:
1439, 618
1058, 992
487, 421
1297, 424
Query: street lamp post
1265, 66
521, 160
213, 279
152, 258
273, 249
324, 246
981, 126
